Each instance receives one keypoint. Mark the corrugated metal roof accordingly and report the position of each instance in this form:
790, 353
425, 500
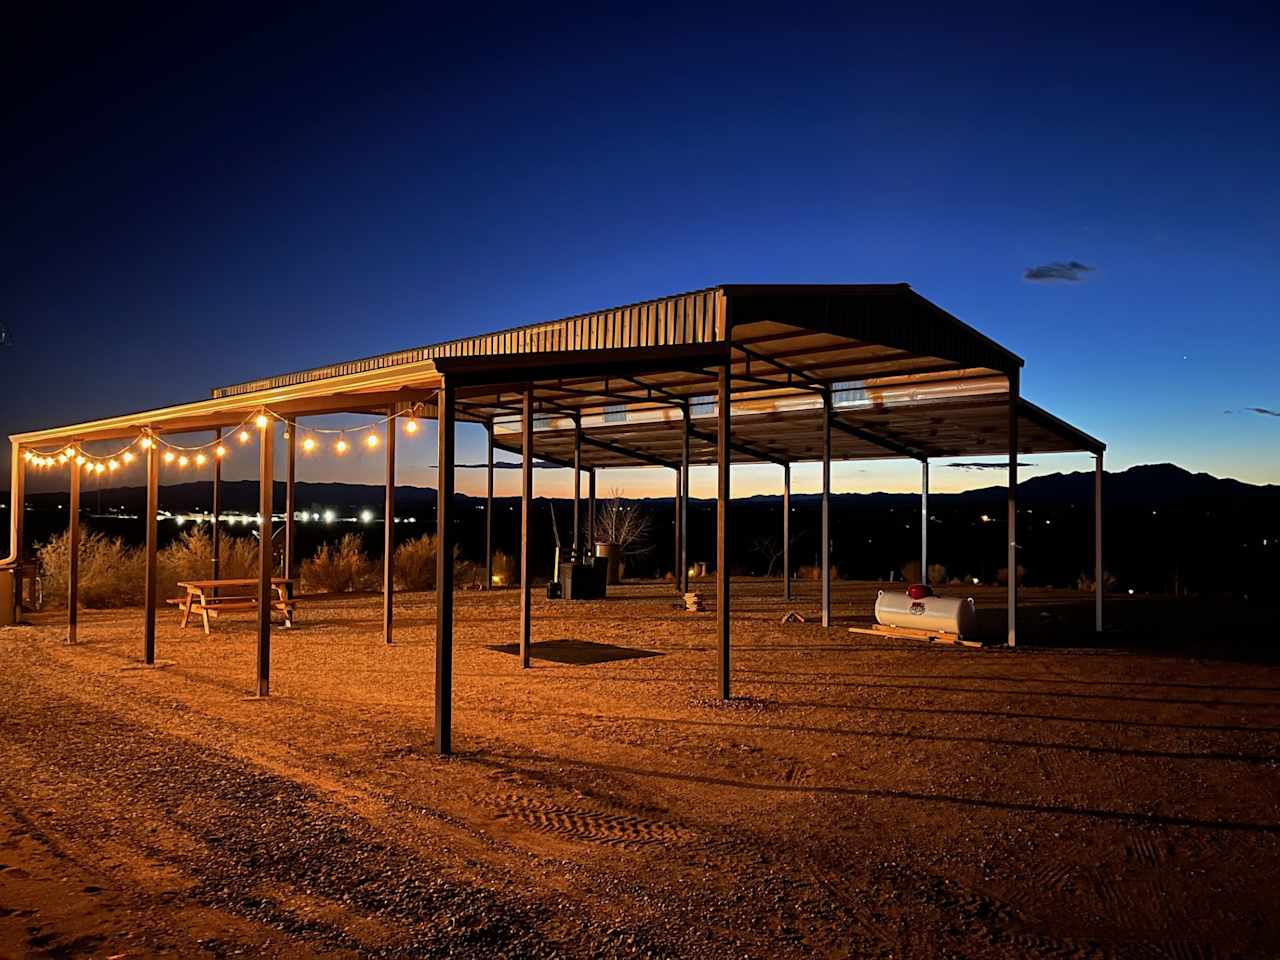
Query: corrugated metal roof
681, 318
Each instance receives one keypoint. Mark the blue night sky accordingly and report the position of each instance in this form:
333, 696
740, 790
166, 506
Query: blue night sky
192, 202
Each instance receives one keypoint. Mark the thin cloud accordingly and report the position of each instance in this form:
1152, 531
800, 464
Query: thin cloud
1261, 411
998, 465
1072, 271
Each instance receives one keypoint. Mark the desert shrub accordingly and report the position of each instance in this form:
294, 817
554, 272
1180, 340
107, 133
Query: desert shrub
1086, 582
416, 563
190, 557
911, 571
339, 568
1002, 575
466, 574
813, 571
937, 573
504, 569
111, 574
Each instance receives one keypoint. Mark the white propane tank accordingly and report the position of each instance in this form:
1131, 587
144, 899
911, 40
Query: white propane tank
944, 614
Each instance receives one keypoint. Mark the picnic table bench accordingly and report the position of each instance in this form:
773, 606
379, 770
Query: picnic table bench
210, 597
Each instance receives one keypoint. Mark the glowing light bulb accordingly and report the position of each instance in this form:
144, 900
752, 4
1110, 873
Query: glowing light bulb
99, 468
201, 459
146, 443
128, 456
183, 461
261, 420
28, 456
411, 425
371, 440
62, 458
309, 444
113, 465
341, 445
168, 456
79, 460
366, 516
219, 451
88, 468
244, 436
70, 452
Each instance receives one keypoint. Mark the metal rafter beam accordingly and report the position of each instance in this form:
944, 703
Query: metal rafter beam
626, 452
784, 368
554, 461
746, 448
886, 443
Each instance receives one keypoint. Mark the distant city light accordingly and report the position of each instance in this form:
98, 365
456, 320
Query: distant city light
329, 516
366, 516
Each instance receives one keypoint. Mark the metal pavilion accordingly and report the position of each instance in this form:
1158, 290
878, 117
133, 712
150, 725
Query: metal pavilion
738, 373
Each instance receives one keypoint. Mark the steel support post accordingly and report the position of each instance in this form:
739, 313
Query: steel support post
1098, 575
924, 521
215, 536
684, 500
266, 562
1013, 509
786, 531
723, 555
591, 510
488, 511
153, 534
826, 508
290, 504
526, 524
389, 532
73, 555
575, 552
445, 402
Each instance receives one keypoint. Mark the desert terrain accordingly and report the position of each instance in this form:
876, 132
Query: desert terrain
859, 797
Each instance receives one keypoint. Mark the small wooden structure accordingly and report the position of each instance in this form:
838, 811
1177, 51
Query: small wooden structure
208, 598
907, 633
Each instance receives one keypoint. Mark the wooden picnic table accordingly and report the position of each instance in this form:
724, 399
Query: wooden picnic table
208, 597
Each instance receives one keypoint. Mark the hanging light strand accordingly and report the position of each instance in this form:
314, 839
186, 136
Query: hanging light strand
183, 455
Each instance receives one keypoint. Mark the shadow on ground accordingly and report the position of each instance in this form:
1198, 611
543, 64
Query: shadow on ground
576, 651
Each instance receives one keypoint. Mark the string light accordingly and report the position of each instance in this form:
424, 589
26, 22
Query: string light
183, 456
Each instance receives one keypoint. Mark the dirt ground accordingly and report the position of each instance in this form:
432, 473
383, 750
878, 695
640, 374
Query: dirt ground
858, 797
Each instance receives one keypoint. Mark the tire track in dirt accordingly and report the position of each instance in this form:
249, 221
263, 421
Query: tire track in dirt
591, 826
